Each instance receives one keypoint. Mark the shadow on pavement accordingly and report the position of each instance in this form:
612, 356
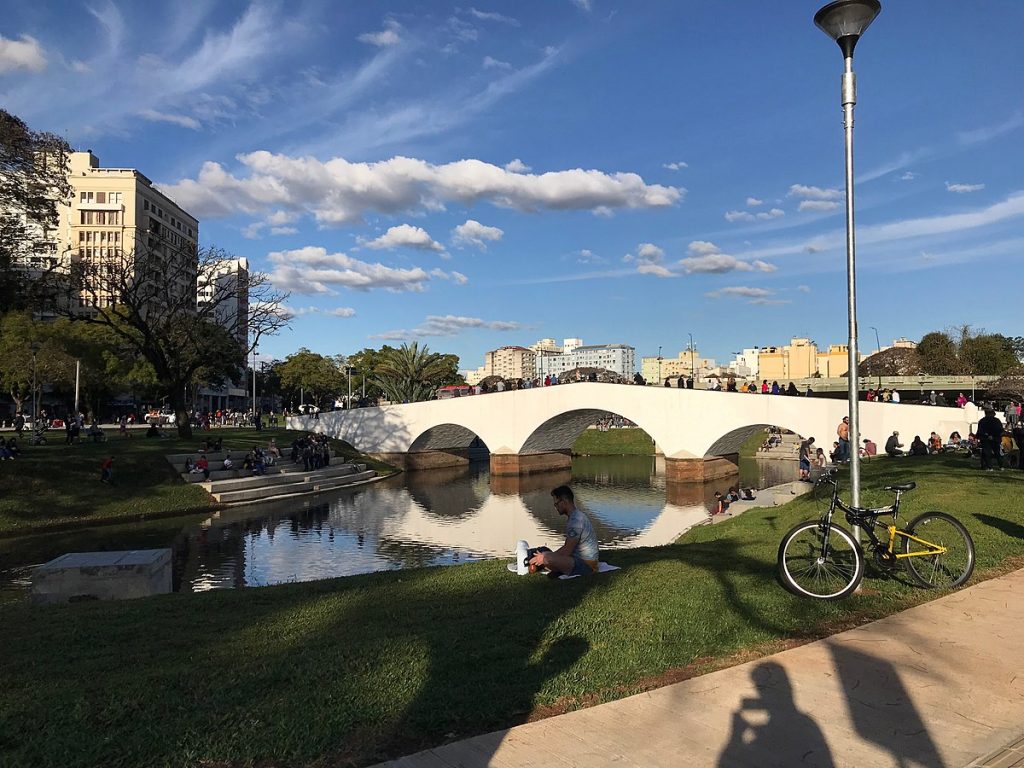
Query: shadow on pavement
768, 729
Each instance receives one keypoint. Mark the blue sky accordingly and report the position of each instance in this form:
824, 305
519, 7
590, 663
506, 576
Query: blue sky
483, 174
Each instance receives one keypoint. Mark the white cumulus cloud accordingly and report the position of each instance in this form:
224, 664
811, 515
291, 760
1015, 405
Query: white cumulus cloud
676, 166
740, 290
25, 53
753, 202
964, 188
492, 63
338, 192
386, 37
405, 236
448, 325
817, 205
813, 193
517, 166
474, 233
312, 270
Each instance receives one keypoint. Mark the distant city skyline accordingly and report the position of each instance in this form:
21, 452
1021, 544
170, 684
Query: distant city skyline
479, 176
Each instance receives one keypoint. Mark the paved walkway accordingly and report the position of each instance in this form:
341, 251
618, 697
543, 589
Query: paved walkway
936, 686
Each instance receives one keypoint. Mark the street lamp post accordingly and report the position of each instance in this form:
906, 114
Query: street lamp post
845, 21
660, 382
878, 349
254, 384
35, 347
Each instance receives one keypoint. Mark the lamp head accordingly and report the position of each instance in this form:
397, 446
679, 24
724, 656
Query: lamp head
845, 21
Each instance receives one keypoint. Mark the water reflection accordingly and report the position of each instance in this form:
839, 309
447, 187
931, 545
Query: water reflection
415, 519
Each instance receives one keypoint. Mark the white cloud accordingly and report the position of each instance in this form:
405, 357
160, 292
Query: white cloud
817, 205
813, 248
474, 233
342, 312
707, 258
405, 236
1016, 120
517, 166
676, 166
21, 54
386, 37
448, 325
165, 117
740, 290
492, 63
338, 192
283, 231
649, 252
964, 188
753, 202
702, 246
313, 270
584, 5
908, 176
252, 231
770, 302
290, 312
813, 193
80, 67
774, 213
492, 16
804, 288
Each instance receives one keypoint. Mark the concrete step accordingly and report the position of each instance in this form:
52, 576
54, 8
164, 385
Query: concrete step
311, 483
177, 460
283, 476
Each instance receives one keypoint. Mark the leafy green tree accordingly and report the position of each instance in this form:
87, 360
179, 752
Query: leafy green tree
412, 373
310, 375
33, 182
147, 299
988, 354
937, 353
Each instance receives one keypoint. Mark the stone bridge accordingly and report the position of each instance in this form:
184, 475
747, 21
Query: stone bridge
532, 430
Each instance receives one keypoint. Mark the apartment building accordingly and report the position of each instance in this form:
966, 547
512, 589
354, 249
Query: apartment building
619, 358
117, 214
225, 284
687, 363
511, 363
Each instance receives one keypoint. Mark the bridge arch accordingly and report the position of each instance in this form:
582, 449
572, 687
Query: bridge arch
444, 445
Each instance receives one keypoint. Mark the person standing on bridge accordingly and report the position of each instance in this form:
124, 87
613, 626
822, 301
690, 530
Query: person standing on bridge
578, 556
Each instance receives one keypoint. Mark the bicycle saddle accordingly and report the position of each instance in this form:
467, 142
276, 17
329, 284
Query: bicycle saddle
901, 487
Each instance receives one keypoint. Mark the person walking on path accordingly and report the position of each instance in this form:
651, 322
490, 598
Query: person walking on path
843, 431
107, 470
806, 448
990, 434
579, 554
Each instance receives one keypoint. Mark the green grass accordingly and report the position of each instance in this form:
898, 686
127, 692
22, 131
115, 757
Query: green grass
55, 486
614, 442
353, 670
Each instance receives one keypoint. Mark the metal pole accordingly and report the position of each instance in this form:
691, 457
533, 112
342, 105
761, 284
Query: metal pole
878, 349
348, 403
849, 98
78, 366
693, 373
254, 386
659, 366
34, 408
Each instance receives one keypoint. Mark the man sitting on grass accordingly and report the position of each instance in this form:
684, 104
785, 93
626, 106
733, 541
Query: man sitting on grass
579, 554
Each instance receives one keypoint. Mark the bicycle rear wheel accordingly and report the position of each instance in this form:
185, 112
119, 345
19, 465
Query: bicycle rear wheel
807, 570
948, 570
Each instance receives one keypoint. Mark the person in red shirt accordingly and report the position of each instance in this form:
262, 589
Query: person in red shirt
203, 465
107, 470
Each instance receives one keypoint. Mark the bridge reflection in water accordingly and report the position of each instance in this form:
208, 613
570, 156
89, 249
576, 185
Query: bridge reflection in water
436, 517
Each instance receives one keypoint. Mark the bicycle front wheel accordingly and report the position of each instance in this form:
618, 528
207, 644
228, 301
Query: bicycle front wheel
942, 571
810, 566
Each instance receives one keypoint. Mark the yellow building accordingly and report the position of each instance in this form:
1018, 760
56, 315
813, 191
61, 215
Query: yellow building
511, 363
674, 367
117, 212
835, 362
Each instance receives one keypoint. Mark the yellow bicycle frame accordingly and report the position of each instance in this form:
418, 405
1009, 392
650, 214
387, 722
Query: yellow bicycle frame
933, 549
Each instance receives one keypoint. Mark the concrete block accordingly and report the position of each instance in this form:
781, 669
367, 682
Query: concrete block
102, 576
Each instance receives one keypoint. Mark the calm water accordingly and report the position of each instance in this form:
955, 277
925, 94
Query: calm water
416, 519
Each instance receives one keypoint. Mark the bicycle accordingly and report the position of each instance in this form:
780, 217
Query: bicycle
822, 560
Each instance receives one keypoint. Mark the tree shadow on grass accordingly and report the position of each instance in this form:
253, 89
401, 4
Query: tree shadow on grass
1010, 528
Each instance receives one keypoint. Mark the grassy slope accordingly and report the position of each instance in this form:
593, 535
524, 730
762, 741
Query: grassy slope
352, 670
614, 442
57, 485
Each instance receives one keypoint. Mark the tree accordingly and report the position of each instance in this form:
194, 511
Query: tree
412, 373
988, 354
148, 299
312, 375
937, 354
894, 361
33, 183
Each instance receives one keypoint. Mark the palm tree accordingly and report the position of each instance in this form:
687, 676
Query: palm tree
410, 373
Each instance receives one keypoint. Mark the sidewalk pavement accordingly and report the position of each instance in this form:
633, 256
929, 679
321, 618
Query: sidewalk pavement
936, 686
